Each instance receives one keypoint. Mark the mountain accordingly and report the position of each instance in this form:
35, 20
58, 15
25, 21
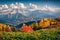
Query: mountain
18, 18
27, 23
37, 15
14, 19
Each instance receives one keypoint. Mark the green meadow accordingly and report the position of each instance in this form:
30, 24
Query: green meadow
42, 34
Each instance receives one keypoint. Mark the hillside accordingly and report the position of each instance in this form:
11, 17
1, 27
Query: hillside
34, 25
14, 19
43, 34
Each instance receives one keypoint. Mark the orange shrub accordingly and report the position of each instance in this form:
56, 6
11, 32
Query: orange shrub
10, 29
58, 24
26, 28
58, 18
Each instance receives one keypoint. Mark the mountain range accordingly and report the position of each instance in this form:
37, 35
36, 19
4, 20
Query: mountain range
15, 14
18, 18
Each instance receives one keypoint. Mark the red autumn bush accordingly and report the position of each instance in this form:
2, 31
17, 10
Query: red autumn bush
10, 29
58, 18
26, 28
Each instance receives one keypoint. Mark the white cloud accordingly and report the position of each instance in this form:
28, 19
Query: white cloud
21, 5
5, 11
0, 8
5, 6
33, 6
26, 9
13, 6
57, 9
13, 11
50, 9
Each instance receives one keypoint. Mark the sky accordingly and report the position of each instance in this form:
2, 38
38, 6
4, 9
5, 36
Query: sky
26, 6
38, 2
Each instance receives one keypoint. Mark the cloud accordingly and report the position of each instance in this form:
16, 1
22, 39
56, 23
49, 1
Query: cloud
17, 6
13, 11
21, 5
25, 10
0, 8
57, 9
33, 6
13, 6
5, 6
49, 9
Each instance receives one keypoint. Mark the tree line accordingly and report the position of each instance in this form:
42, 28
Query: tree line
42, 24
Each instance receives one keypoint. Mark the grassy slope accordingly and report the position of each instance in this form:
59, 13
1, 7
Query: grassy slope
43, 34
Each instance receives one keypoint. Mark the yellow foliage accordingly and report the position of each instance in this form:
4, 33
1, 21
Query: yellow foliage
59, 18
44, 23
52, 21
3, 27
37, 25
